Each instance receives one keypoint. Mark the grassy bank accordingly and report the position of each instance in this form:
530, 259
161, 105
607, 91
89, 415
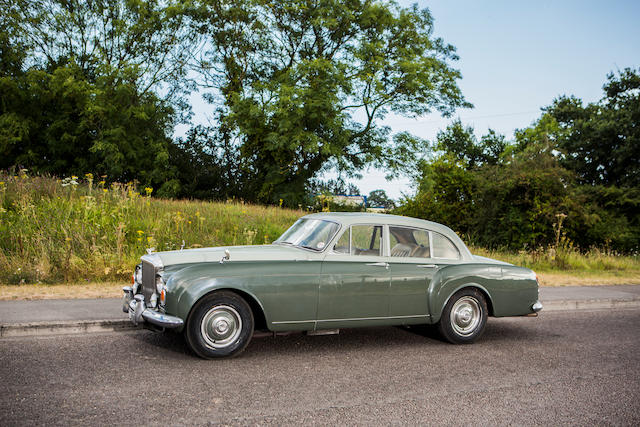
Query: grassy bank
81, 231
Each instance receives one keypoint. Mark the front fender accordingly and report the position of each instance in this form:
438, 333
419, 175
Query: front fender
187, 286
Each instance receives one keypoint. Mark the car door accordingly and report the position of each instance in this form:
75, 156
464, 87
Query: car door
355, 280
412, 269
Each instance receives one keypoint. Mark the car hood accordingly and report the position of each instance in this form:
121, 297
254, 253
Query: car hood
236, 253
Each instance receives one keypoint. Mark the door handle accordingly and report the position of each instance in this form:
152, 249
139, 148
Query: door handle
379, 264
427, 266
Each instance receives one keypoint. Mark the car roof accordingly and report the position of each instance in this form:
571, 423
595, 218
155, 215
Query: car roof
349, 218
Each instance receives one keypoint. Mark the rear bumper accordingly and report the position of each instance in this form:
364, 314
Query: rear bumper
139, 313
536, 307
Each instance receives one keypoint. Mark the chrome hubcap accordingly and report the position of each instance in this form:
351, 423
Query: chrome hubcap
465, 315
221, 326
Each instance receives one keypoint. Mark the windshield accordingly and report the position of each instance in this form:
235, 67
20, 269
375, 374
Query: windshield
312, 234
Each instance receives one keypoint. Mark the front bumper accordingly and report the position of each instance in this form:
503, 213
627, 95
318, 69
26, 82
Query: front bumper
139, 313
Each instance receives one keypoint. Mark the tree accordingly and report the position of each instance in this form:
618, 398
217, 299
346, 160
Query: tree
82, 95
601, 141
293, 76
379, 199
446, 191
460, 142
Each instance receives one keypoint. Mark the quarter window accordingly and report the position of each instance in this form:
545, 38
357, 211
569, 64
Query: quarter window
443, 247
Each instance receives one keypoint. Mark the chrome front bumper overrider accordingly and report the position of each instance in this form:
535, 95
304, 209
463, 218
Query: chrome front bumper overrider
536, 307
139, 313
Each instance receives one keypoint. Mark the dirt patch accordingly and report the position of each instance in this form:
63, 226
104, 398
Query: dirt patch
597, 279
63, 291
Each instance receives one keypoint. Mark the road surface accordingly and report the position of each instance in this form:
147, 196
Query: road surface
579, 367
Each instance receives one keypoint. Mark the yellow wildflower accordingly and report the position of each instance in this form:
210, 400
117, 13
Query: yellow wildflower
104, 190
148, 190
140, 232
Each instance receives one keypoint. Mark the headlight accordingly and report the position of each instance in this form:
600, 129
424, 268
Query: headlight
138, 274
153, 301
161, 288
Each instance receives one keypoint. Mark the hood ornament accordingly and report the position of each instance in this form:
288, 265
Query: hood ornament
182, 247
150, 250
226, 256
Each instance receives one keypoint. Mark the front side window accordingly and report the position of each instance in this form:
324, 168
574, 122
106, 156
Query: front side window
409, 242
311, 234
361, 240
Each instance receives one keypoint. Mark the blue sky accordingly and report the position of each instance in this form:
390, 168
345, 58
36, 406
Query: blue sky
516, 57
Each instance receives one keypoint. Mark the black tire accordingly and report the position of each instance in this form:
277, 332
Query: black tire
220, 325
464, 317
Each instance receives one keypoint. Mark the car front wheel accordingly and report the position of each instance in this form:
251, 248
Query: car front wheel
464, 317
220, 325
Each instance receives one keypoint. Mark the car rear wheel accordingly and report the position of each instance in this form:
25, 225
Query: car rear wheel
464, 317
220, 325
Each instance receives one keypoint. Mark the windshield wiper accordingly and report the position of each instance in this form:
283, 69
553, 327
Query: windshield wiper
308, 247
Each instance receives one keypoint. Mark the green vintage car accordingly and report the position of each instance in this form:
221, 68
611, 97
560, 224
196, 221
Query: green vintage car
328, 271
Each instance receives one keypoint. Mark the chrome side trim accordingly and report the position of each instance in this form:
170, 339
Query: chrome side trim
350, 319
536, 307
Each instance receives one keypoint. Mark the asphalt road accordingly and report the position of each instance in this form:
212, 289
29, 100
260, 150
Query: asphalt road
560, 368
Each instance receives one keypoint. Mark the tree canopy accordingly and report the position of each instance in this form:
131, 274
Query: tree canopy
304, 85
576, 162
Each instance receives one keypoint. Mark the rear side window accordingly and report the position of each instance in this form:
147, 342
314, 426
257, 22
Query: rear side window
443, 247
409, 242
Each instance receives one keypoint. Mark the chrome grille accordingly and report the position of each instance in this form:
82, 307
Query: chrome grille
148, 280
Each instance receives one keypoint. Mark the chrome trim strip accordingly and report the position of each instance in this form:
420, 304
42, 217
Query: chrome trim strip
350, 319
